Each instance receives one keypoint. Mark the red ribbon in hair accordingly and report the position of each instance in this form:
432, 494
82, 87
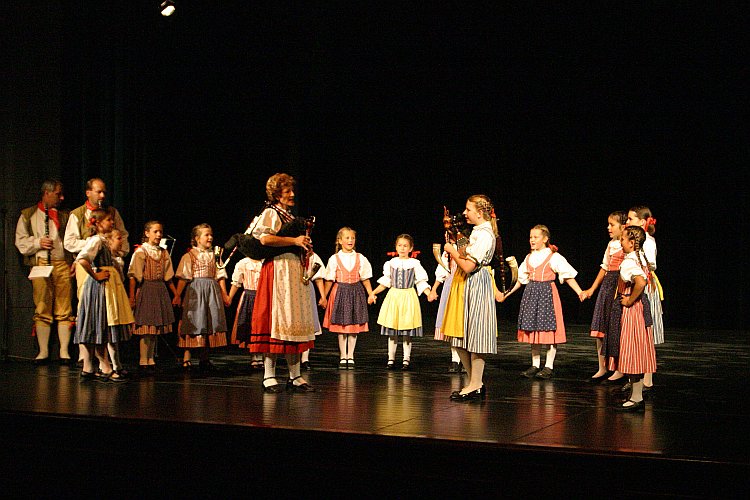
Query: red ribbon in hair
553, 248
413, 254
650, 222
492, 213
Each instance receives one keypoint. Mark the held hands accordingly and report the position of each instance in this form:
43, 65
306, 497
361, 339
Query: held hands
132, 302
585, 294
372, 298
323, 302
432, 296
626, 301
176, 301
500, 296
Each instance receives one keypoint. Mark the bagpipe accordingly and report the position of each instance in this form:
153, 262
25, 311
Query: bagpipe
251, 247
457, 231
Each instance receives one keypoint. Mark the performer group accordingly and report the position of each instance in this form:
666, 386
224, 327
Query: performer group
283, 283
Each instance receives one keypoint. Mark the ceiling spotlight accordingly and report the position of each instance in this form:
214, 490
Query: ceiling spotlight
167, 8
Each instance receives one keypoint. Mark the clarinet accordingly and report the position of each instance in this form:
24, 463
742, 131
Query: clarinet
46, 233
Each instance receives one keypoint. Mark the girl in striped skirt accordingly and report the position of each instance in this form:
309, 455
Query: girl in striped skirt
151, 274
540, 318
607, 279
470, 318
637, 354
641, 216
203, 324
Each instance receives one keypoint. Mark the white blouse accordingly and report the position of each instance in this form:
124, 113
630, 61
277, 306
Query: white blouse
138, 261
247, 273
347, 260
482, 243
630, 267
649, 248
420, 275
204, 257
557, 263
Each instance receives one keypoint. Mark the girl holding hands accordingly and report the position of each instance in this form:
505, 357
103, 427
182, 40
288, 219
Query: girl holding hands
347, 277
540, 318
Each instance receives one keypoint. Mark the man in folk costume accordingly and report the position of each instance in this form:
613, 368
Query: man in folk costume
39, 238
77, 231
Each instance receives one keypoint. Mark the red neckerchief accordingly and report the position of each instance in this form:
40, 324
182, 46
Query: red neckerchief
90, 206
52, 212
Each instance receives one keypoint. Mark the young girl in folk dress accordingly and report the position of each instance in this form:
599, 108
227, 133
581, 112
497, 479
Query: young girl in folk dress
151, 274
104, 314
540, 318
637, 353
607, 279
347, 277
470, 319
444, 277
641, 216
246, 274
400, 315
203, 324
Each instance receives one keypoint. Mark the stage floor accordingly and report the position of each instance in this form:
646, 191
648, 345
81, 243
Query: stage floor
689, 437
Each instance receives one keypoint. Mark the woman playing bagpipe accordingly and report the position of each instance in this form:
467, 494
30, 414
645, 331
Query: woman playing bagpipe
283, 313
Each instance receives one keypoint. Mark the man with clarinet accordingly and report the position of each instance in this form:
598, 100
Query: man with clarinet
39, 238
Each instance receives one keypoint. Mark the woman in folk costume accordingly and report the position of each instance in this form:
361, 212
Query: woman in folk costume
283, 320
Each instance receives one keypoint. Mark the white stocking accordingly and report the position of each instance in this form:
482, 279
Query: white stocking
392, 346
269, 369
551, 352
407, 349
63, 333
42, 338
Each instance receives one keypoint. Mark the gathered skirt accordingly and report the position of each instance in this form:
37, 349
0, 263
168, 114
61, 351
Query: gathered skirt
400, 314
153, 309
203, 323
470, 320
603, 305
540, 317
243, 319
104, 314
347, 309
441, 308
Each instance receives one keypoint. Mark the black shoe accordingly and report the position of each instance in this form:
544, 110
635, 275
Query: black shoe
343, 365
530, 372
405, 365
637, 406
273, 389
454, 367
391, 365
87, 375
627, 387
42, 361
306, 366
65, 362
477, 395
350, 364
544, 374
290, 386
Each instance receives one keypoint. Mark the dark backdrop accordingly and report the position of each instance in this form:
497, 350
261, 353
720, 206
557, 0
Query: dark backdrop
385, 113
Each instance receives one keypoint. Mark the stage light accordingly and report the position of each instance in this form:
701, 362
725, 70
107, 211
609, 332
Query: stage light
167, 8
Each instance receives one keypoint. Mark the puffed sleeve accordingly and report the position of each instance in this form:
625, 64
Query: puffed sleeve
481, 246
185, 268
606, 259
90, 248
560, 265
630, 269
237, 274
523, 272
267, 223
167, 269
137, 264
221, 274
321, 273
365, 268
420, 277
330, 273
385, 280
441, 273
73, 241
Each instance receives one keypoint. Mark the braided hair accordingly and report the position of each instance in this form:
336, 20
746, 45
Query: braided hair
638, 236
485, 206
